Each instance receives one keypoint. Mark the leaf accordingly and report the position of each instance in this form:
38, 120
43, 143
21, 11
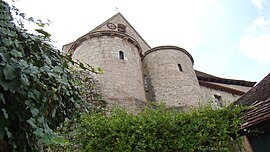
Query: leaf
9, 85
53, 112
82, 66
5, 113
2, 98
34, 112
100, 70
31, 121
9, 135
22, 15
31, 19
7, 42
60, 140
9, 72
41, 31
5, 57
16, 53
39, 132
24, 80
47, 59
41, 119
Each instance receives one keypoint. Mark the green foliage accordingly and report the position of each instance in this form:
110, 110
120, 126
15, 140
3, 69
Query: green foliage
38, 87
161, 129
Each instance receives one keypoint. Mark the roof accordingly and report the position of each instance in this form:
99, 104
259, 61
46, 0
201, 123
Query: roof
259, 99
210, 78
260, 92
257, 115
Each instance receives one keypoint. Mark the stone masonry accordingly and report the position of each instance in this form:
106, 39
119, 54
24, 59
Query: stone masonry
135, 73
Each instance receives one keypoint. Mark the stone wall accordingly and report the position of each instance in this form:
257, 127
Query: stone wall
164, 80
208, 94
122, 80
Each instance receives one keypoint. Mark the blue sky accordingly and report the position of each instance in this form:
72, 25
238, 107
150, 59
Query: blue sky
227, 38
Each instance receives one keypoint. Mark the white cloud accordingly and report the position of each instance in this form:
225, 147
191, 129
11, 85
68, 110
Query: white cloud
258, 3
259, 22
256, 42
256, 47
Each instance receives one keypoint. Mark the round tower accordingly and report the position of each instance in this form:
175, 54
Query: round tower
170, 77
119, 56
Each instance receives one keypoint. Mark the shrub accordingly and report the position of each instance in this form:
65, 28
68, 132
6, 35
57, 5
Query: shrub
203, 129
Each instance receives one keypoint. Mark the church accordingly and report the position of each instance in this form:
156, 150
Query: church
135, 73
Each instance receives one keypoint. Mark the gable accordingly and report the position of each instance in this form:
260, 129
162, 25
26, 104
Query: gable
119, 19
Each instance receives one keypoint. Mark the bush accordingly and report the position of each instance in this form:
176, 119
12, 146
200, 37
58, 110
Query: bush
203, 129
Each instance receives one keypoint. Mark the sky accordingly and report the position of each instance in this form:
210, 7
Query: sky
227, 38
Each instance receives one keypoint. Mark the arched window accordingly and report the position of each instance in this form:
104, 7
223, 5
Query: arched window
121, 55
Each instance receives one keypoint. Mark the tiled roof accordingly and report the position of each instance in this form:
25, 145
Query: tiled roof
258, 98
259, 113
207, 77
260, 92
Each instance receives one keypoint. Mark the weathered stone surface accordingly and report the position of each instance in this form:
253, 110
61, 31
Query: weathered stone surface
208, 95
165, 81
122, 79
145, 74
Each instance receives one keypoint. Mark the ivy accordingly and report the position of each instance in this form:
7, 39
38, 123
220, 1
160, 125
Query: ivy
39, 86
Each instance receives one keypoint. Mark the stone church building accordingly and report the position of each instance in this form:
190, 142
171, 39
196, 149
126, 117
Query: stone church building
135, 73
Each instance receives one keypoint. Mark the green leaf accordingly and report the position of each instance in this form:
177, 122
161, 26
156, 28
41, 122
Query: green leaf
2, 98
5, 57
16, 53
31, 19
5, 113
82, 66
7, 42
41, 119
100, 70
31, 121
9, 135
47, 59
53, 112
9, 72
39, 132
22, 15
34, 112
41, 31
24, 80
60, 140
9, 85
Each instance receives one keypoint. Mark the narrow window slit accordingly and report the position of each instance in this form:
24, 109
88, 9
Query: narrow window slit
121, 55
180, 67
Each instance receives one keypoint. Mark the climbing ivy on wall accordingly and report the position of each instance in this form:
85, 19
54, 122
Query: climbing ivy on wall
39, 89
